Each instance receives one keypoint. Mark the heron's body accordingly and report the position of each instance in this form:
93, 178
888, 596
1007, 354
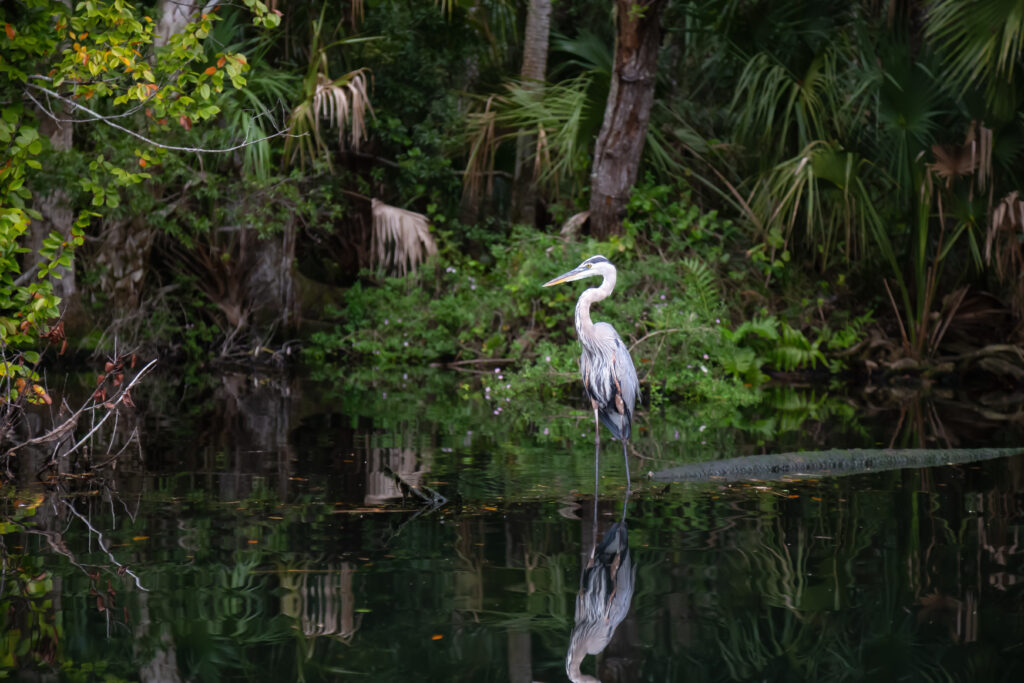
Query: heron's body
609, 377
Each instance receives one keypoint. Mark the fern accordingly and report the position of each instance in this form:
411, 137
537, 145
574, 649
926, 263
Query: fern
701, 287
773, 343
765, 328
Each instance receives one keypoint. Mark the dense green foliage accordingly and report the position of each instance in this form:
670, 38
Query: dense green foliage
813, 171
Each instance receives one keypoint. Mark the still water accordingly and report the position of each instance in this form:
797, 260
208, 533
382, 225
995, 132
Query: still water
278, 530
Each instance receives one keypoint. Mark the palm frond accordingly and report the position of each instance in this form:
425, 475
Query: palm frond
255, 111
827, 189
778, 109
401, 238
981, 41
343, 103
555, 116
1006, 221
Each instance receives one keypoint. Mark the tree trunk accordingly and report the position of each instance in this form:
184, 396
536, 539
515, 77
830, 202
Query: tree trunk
57, 216
535, 65
621, 141
175, 15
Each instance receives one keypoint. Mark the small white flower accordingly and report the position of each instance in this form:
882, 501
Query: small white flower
702, 428
705, 356
384, 395
545, 431
662, 297
703, 369
405, 343
497, 371
547, 359
501, 376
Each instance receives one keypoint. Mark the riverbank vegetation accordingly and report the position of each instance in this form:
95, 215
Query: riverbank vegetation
802, 190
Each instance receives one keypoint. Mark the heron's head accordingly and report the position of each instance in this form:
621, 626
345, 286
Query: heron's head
595, 265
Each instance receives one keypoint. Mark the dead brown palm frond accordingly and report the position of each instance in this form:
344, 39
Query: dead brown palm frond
357, 11
980, 139
973, 157
401, 238
343, 103
1002, 246
1006, 222
952, 161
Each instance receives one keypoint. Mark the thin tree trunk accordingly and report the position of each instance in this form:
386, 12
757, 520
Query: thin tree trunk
535, 64
175, 15
621, 141
57, 216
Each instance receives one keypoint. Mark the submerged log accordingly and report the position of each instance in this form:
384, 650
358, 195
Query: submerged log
831, 463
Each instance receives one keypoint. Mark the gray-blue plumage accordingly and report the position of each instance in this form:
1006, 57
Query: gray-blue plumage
606, 590
609, 377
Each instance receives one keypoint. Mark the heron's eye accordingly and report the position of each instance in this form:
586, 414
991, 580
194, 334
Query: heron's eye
590, 265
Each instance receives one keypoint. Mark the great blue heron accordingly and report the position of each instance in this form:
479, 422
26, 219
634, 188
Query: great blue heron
609, 377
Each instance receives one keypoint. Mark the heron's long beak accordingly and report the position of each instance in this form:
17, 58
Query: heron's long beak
573, 274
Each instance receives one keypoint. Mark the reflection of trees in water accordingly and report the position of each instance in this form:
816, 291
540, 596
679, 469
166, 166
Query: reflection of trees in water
321, 600
524, 591
829, 582
388, 470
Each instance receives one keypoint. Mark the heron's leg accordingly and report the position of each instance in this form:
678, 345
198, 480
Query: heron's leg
625, 457
597, 464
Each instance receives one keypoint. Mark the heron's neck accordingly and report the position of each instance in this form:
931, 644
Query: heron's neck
573, 659
584, 325
572, 667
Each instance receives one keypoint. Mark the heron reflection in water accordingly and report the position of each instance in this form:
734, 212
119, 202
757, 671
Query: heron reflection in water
609, 377
606, 590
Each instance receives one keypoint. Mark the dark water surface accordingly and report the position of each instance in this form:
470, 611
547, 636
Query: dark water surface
281, 530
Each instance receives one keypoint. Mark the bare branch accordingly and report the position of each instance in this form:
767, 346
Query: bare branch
95, 116
69, 424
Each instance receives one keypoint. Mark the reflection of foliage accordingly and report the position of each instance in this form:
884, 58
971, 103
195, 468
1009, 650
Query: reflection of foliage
30, 631
818, 581
832, 580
